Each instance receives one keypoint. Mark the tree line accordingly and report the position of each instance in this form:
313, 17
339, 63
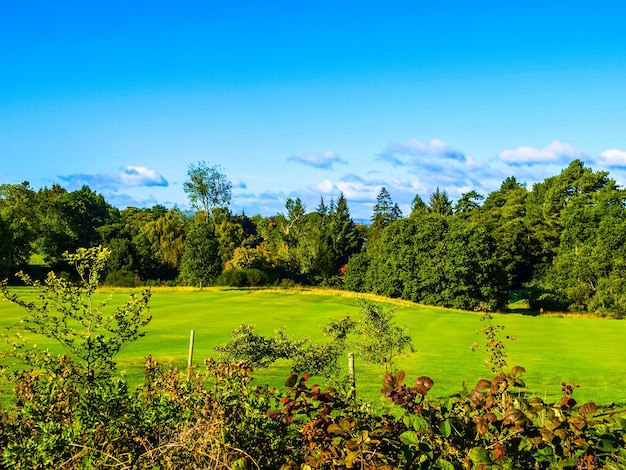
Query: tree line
561, 240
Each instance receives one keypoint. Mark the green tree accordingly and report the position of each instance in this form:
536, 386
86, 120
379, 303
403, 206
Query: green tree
504, 214
588, 273
343, 235
418, 207
384, 213
71, 220
207, 188
201, 262
166, 237
72, 315
438, 260
468, 202
440, 203
18, 226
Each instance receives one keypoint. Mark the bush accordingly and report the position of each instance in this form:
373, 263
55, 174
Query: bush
246, 277
122, 278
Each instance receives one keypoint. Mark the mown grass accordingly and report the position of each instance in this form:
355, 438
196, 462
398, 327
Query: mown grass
585, 351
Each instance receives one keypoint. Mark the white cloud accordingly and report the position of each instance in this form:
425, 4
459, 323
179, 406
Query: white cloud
555, 153
395, 151
613, 158
326, 186
139, 176
323, 160
129, 176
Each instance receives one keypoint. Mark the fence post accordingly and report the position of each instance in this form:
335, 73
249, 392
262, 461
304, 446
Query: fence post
351, 375
190, 357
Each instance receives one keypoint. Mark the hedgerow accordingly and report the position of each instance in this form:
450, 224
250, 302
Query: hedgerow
75, 411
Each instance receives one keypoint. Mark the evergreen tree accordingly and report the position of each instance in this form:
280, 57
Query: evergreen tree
343, 234
439, 203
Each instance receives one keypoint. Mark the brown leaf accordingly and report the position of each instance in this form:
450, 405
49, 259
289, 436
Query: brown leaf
499, 450
483, 384
588, 409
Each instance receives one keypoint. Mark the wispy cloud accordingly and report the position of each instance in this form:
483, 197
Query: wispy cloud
613, 158
238, 184
554, 153
323, 160
130, 176
122, 200
407, 151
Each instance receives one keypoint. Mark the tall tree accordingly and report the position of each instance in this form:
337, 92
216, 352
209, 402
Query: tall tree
418, 207
18, 226
166, 237
344, 236
201, 262
384, 213
440, 203
207, 188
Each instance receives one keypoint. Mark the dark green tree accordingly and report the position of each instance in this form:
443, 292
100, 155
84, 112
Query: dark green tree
439, 260
344, 236
385, 211
504, 216
71, 220
468, 202
19, 224
201, 263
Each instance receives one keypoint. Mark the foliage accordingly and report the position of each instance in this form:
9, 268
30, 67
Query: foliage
374, 337
438, 260
18, 226
70, 314
70, 220
201, 263
207, 188
245, 277
563, 240
216, 418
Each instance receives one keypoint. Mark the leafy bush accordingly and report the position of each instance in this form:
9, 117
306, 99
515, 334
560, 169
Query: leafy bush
246, 277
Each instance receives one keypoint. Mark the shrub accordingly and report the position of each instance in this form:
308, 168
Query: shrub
246, 277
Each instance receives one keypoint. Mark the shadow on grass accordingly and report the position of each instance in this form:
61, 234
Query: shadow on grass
521, 307
530, 312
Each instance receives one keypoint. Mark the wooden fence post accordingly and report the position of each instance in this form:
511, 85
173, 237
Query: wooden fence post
190, 357
351, 375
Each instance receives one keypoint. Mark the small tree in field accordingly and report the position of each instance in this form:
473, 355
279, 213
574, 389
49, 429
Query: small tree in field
68, 313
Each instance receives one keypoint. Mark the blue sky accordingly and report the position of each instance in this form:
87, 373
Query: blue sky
308, 100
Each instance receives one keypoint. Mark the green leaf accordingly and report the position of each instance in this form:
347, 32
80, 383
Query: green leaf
571, 462
409, 438
443, 464
608, 445
479, 455
445, 428
420, 424
240, 464
544, 453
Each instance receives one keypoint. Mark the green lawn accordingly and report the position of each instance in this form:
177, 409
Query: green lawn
585, 351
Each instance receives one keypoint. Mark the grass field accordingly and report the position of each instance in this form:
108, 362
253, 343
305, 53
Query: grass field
586, 351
